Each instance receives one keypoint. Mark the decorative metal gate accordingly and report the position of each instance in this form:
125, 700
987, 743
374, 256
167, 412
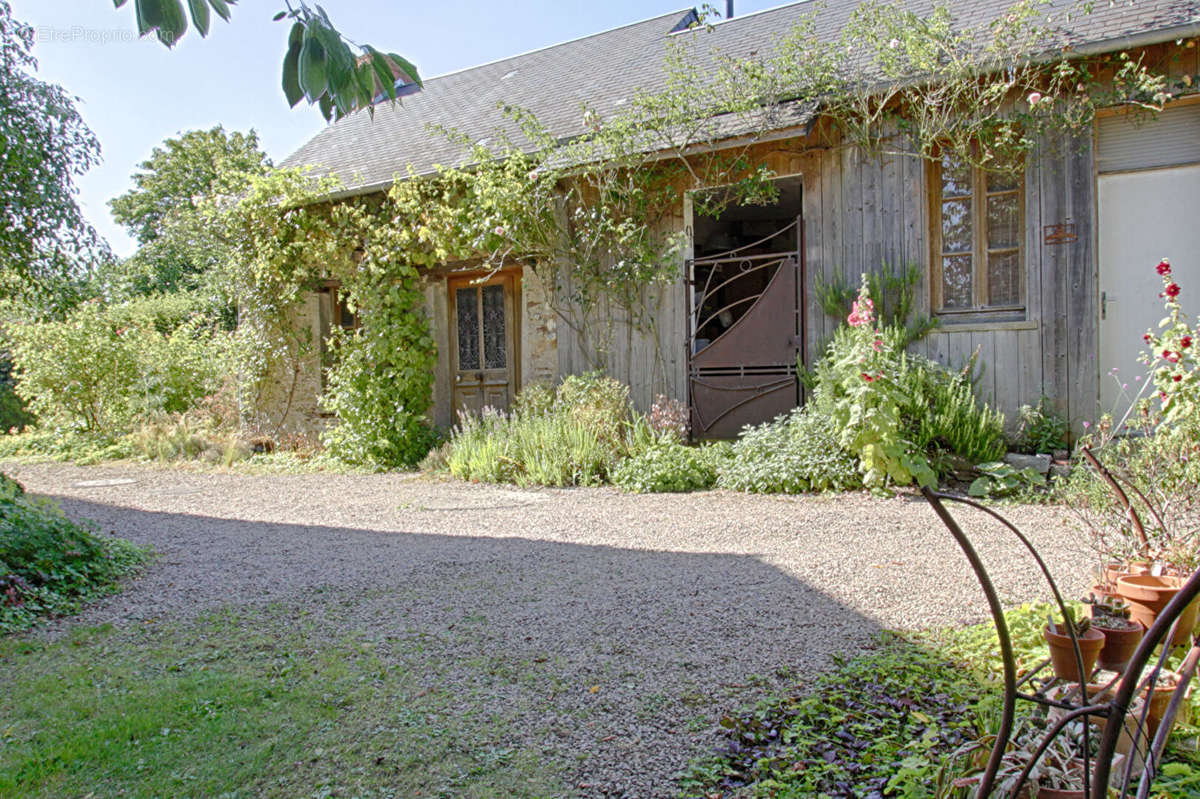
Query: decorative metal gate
746, 314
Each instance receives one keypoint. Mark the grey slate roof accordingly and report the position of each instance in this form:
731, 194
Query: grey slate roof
603, 70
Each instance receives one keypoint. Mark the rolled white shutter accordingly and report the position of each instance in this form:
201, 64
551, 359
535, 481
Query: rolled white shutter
1125, 143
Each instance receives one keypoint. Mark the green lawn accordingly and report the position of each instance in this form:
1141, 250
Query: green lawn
244, 704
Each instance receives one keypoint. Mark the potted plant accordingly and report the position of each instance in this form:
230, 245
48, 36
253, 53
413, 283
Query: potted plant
1148, 594
1111, 616
1062, 652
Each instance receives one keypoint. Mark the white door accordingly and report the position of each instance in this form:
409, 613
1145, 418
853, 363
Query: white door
1145, 216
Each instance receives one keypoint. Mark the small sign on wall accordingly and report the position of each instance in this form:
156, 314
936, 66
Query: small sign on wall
1062, 233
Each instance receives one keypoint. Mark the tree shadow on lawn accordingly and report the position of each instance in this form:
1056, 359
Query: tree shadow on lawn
478, 666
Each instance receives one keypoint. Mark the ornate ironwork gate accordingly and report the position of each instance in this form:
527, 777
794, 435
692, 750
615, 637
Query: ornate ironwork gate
746, 313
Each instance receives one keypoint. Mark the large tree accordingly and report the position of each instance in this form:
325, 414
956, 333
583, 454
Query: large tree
46, 245
177, 249
320, 64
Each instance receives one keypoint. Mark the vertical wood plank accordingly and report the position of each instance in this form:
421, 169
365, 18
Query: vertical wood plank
1082, 283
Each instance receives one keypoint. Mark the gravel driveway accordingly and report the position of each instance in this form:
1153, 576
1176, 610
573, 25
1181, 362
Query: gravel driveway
650, 614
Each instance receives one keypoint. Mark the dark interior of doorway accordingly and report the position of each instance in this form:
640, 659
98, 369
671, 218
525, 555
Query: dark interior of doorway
740, 230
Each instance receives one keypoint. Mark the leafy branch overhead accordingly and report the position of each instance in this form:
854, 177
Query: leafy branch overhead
321, 65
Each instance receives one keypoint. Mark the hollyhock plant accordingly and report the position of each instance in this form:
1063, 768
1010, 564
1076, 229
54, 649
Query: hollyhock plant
868, 414
1171, 358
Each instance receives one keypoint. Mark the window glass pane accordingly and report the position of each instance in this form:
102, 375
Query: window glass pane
1003, 181
956, 177
1002, 221
1004, 279
494, 341
956, 281
956, 226
468, 328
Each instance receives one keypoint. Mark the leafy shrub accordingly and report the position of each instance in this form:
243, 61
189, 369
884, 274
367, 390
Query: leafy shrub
49, 564
941, 412
796, 453
1039, 429
66, 444
104, 366
577, 438
668, 465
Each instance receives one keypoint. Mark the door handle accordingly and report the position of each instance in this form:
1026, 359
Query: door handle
1104, 305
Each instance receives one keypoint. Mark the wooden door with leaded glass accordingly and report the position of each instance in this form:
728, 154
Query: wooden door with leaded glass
482, 341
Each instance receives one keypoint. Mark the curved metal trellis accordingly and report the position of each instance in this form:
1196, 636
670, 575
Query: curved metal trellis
1116, 709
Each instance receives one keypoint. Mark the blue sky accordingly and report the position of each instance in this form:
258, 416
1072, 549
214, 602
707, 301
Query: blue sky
135, 93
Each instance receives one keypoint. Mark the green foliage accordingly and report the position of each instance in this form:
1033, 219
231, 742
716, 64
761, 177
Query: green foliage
882, 723
895, 410
320, 64
177, 249
1000, 479
794, 454
46, 244
858, 391
1040, 429
670, 466
103, 366
380, 382
66, 444
578, 439
896, 295
49, 564
943, 414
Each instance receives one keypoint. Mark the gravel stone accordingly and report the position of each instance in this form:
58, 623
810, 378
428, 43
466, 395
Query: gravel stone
612, 629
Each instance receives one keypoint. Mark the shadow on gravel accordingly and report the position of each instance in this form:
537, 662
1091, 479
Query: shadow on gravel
615, 662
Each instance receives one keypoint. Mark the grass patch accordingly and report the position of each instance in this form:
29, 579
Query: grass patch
244, 704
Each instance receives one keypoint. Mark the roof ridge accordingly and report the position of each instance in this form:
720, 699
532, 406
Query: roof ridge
738, 17
682, 13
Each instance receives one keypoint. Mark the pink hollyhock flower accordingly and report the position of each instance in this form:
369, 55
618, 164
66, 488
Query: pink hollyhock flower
1173, 290
1086, 425
1185, 342
1146, 338
1177, 378
854, 320
1173, 357
1035, 98
867, 377
1164, 267
877, 344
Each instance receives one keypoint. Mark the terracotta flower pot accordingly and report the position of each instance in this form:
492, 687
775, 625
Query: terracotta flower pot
1103, 591
1160, 697
1116, 569
1062, 654
1119, 645
1147, 595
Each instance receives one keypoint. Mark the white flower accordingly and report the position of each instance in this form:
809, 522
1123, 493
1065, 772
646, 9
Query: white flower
1035, 98
894, 43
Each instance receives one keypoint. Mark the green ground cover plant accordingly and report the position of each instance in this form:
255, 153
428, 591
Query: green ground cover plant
794, 454
49, 564
908, 719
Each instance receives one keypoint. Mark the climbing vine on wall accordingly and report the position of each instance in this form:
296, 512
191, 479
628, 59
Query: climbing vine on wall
284, 243
594, 216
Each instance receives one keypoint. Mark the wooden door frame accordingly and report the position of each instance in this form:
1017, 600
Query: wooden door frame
478, 279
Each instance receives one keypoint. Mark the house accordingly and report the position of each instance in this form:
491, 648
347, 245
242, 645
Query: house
1044, 277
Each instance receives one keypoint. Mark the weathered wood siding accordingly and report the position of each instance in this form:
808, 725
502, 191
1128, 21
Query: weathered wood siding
863, 213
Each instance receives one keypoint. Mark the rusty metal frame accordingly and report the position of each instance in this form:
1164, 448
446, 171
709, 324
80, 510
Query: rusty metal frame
1117, 708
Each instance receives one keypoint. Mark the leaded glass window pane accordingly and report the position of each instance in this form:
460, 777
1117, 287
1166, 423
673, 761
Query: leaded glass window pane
1003, 224
468, 328
1004, 286
956, 281
956, 177
956, 226
494, 338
